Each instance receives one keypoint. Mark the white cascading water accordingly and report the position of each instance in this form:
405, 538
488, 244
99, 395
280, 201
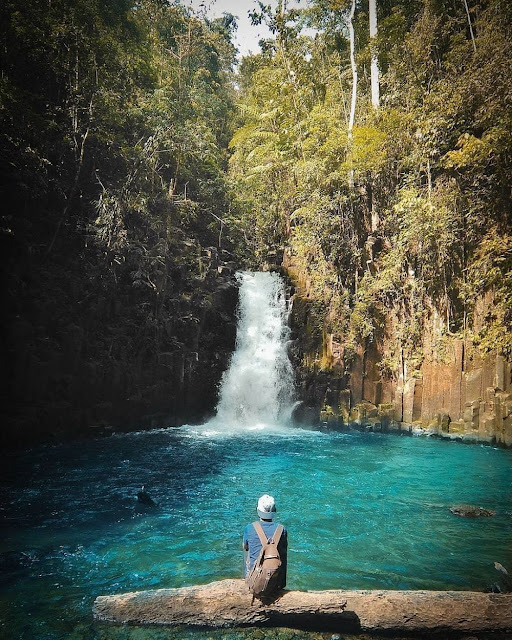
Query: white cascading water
257, 390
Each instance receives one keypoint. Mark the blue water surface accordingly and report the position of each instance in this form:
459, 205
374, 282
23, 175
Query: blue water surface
363, 511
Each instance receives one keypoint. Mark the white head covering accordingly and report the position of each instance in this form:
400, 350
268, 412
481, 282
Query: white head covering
266, 507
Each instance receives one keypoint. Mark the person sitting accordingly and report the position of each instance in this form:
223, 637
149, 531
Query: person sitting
266, 509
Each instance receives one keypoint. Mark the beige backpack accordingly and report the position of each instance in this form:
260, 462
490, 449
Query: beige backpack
265, 575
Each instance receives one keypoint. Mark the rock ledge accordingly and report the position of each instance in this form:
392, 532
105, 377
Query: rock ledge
227, 603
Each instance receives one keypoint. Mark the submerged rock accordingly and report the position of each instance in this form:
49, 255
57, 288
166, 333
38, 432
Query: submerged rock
471, 511
144, 498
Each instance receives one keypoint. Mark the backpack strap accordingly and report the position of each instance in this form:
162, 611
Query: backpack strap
277, 534
261, 535
263, 538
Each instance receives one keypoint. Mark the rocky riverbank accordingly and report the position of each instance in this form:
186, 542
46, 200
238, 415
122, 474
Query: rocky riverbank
367, 417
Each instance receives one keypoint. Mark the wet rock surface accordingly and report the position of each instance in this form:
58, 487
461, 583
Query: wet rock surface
471, 511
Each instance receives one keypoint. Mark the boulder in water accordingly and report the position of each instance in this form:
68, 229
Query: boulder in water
144, 498
471, 511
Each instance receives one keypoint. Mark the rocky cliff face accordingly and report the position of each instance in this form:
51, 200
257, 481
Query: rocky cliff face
453, 391
85, 364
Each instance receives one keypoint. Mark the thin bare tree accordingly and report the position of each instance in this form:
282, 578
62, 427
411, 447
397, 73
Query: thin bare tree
374, 68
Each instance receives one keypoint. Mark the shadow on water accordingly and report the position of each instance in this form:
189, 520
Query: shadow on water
72, 525
102, 631
68, 505
97, 483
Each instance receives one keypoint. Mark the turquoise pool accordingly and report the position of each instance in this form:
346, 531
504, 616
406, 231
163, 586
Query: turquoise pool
362, 510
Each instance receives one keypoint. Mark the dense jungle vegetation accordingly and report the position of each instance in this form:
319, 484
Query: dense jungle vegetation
140, 165
116, 117
406, 214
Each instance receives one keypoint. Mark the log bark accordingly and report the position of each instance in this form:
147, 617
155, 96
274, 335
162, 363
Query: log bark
228, 603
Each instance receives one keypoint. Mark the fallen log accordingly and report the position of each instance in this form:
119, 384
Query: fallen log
228, 603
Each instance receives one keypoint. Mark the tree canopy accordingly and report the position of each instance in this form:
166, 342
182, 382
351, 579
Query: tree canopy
115, 121
409, 214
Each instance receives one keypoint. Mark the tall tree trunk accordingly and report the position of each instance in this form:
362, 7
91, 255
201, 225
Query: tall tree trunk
470, 25
374, 68
350, 26
353, 65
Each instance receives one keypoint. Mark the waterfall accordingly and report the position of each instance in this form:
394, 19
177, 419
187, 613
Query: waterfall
257, 390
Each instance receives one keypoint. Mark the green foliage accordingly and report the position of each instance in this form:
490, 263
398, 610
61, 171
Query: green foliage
384, 227
491, 273
115, 119
129, 156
